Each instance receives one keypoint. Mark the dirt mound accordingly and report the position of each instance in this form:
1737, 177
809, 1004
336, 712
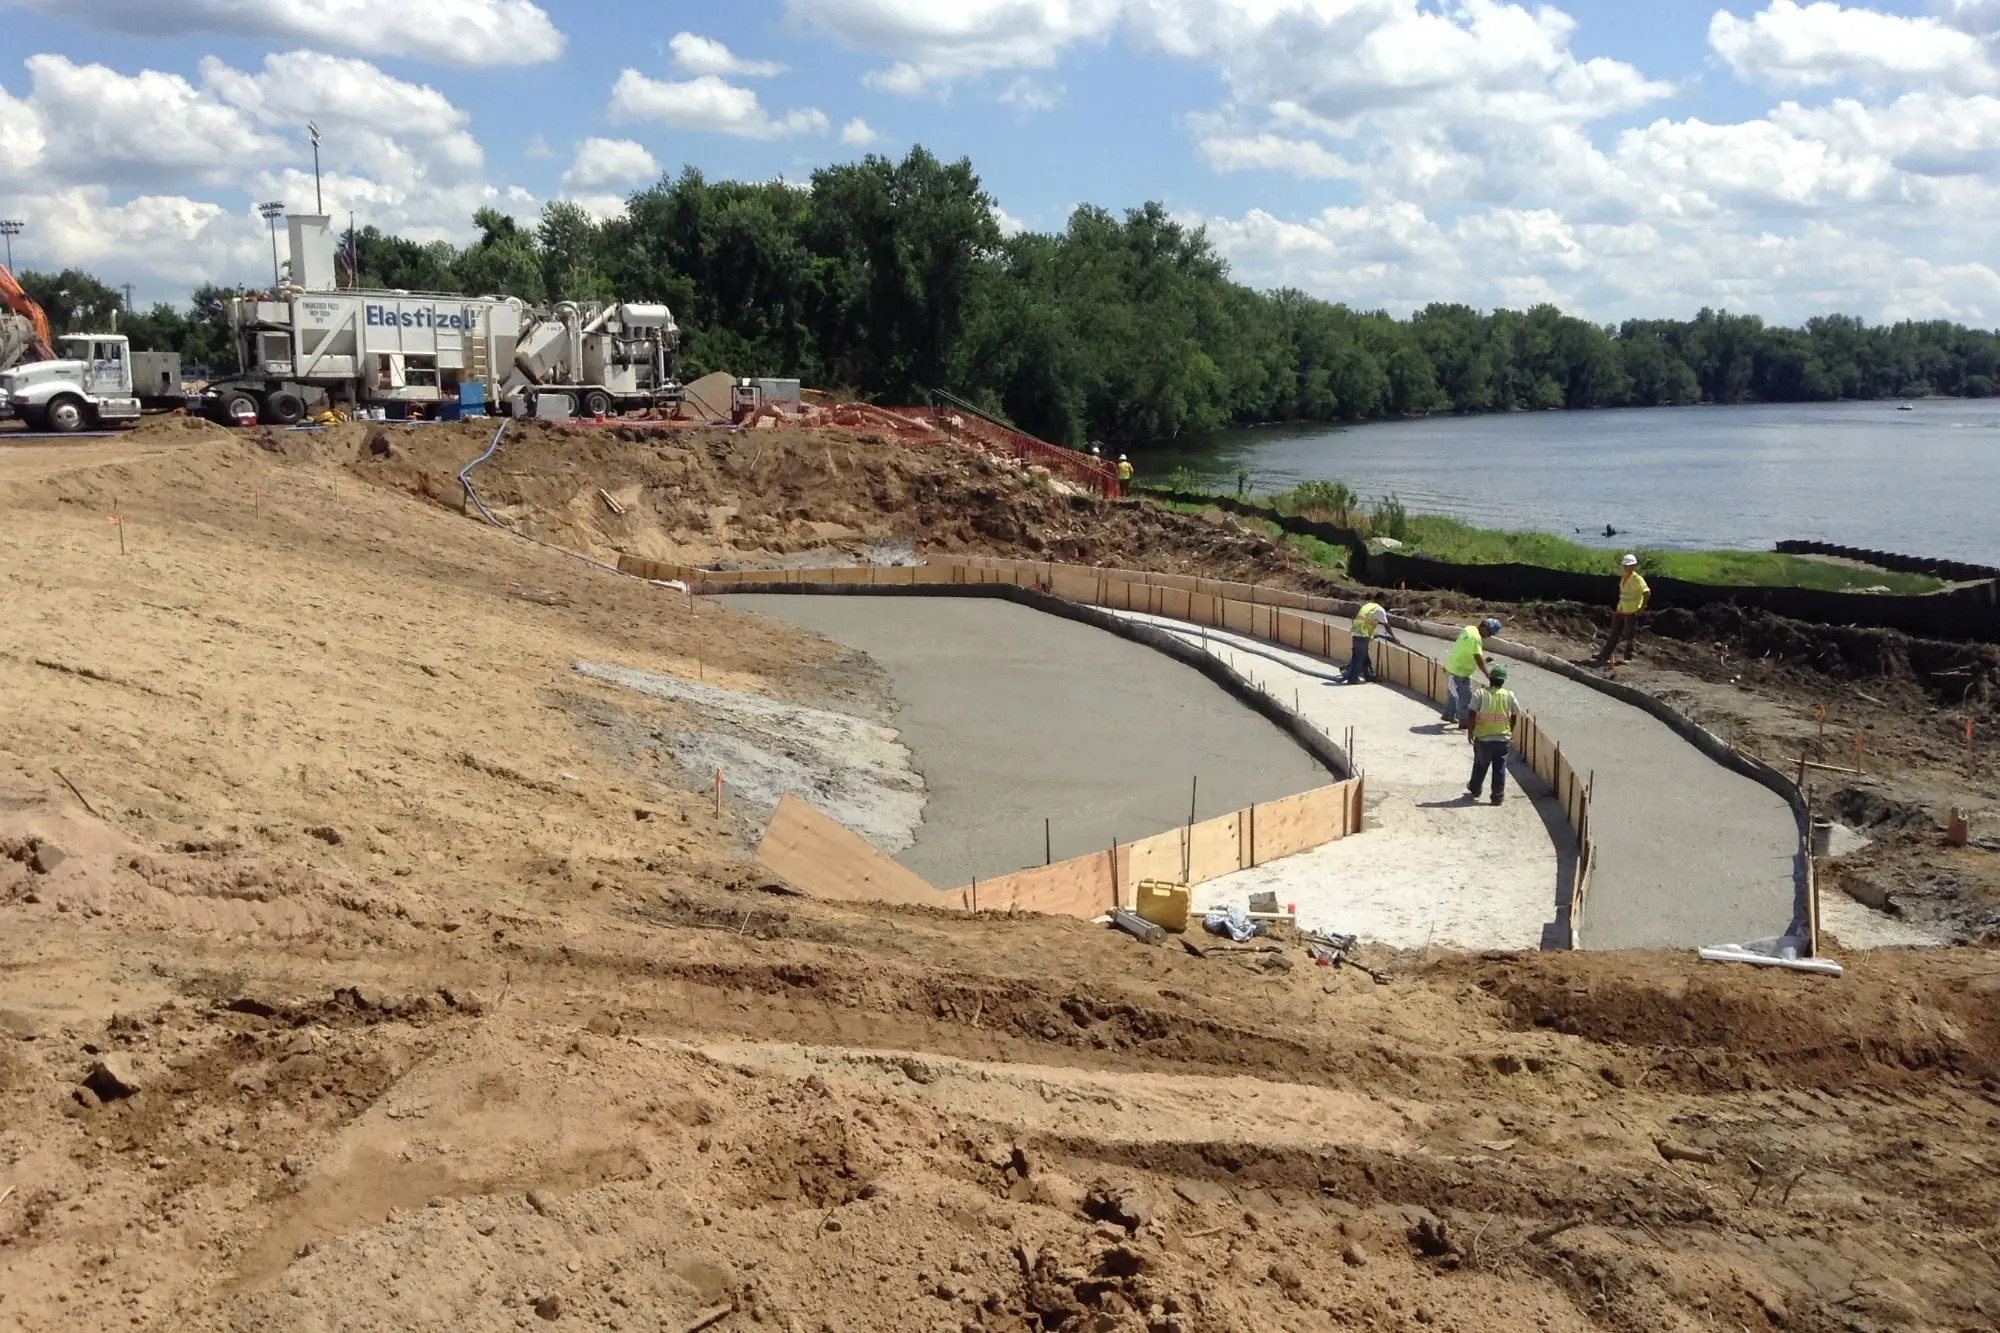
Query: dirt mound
763, 497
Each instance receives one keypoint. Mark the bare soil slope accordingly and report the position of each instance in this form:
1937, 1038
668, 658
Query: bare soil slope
385, 983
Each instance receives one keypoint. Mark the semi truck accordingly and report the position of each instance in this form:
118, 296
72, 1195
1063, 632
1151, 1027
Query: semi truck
400, 350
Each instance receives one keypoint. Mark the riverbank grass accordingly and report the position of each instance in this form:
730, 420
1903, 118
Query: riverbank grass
1448, 539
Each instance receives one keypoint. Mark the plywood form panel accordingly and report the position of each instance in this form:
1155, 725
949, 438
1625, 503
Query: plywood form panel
820, 858
1080, 886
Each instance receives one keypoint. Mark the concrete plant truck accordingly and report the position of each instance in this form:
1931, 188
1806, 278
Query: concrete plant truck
412, 352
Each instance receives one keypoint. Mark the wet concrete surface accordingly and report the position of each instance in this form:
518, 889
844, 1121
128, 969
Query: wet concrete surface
1013, 716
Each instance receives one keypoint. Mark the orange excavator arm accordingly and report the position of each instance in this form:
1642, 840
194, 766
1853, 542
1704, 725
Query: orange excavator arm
12, 297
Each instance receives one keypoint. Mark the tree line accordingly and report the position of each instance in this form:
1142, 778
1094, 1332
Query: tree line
892, 278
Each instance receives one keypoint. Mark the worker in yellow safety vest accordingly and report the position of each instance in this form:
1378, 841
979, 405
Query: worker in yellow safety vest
1492, 735
1467, 655
1634, 596
1124, 473
1370, 622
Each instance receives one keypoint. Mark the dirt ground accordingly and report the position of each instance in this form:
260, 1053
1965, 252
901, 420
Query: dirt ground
388, 980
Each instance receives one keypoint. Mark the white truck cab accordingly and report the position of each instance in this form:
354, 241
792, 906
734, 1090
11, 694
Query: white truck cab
89, 383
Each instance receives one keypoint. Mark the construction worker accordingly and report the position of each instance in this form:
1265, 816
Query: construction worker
1467, 655
1124, 472
1634, 596
1370, 622
1492, 734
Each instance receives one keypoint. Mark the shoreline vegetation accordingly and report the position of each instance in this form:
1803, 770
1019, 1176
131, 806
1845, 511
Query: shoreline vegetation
1440, 537
888, 279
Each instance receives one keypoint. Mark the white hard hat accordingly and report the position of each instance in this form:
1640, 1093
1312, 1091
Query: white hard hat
1630, 562
1121, 458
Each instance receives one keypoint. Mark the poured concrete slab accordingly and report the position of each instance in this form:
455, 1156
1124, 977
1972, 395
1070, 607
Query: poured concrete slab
1431, 866
1014, 716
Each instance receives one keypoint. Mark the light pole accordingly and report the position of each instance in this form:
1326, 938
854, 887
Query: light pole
319, 204
10, 228
271, 212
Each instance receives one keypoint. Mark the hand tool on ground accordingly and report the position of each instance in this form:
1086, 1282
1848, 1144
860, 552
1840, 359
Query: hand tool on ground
1332, 950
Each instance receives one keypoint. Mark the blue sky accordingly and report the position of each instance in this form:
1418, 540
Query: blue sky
1617, 158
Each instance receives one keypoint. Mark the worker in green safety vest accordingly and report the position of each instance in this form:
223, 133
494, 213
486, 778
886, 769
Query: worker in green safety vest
1492, 734
1467, 655
1370, 622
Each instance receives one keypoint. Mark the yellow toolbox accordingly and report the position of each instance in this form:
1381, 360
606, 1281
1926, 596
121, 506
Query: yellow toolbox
1163, 903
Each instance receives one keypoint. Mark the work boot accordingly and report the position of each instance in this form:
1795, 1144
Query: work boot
1496, 800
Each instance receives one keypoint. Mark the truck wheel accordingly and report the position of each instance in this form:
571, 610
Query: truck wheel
284, 408
597, 403
67, 414
237, 403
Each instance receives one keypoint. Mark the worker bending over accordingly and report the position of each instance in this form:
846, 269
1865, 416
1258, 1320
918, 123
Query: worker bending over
1370, 622
1634, 596
1492, 734
1466, 656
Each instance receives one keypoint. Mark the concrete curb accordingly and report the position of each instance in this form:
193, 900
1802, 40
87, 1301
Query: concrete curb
1314, 741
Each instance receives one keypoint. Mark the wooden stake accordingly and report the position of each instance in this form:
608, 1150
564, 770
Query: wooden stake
718, 793
1857, 752
1048, 847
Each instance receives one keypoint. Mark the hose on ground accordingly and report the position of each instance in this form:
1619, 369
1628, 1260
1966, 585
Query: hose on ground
465, 480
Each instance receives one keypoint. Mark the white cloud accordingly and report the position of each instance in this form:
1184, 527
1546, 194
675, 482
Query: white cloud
1395, 256
450, 32
1800, 46
88, 156
87, 123
1304, 158
538, 146
707, 103
1032, 95
705, 55
857, 133
1009, 224
602, 162
935, 43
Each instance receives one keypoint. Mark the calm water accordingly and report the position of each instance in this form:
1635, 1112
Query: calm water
1925, 482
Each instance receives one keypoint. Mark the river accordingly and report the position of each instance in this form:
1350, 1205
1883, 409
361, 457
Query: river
1923, 482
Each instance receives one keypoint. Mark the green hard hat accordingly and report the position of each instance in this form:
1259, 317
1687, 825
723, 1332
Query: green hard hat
1499, 673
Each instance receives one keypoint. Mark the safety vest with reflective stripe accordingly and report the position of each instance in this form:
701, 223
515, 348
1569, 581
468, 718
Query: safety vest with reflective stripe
1493, 714
1632, 592
1369, 619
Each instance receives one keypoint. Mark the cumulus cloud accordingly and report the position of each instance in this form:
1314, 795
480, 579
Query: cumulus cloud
1304, 158
933, 44
94, 160
1788, 45
705, 55
710, 104
602, 162
449, 32
88, 123
856, 133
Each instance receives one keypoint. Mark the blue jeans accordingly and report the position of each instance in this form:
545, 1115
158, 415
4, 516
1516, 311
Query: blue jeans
1358, 666
1490, 753
1458, 700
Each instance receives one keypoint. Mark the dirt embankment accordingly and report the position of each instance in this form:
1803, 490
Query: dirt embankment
387, 981
768, 497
